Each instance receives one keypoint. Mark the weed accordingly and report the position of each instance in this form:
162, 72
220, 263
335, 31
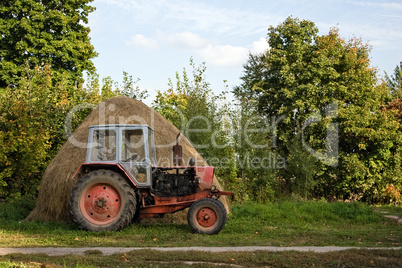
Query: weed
93, 252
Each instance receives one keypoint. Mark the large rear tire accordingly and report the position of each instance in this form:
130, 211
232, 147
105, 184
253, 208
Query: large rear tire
102, 200
207, 216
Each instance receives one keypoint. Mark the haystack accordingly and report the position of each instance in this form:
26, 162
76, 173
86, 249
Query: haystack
58, 179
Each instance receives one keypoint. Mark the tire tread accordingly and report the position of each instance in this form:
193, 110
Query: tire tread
129, 205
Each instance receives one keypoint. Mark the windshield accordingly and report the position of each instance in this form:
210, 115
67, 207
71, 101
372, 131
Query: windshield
104, 148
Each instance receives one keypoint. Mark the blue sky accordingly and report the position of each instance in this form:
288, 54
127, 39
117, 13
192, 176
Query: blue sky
152, 39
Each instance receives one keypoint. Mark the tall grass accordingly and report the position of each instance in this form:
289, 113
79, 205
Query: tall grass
17, 209
307, 212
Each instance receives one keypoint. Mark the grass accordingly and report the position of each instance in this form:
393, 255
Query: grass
149, 258
389, 210
286, 223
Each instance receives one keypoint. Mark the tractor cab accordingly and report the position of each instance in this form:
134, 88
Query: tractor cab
132, 147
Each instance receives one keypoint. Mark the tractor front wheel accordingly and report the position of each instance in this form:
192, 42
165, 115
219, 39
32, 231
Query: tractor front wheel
102, 200
207, 216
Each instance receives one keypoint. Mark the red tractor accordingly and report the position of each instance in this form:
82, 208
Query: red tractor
120, 183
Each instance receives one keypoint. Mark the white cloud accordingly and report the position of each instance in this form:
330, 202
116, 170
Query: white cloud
226, 55
141, 41
220, 55
260, 46
187, 40
217, 54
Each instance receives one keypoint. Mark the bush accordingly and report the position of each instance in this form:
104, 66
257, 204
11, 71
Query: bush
16, 209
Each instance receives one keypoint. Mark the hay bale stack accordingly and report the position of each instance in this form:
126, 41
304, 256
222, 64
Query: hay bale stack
58, 181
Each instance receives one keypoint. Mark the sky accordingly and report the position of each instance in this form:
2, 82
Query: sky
153, 39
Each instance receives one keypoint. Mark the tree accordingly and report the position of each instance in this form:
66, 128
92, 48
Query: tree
45, 32
191, 106
395, 81
201, 116
322, 88
256, 164
44, 50
28, 121
131, 90
33, 121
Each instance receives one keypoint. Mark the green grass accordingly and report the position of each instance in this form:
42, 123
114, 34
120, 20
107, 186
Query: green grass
16, 210
389, 210
149, 258
286, 223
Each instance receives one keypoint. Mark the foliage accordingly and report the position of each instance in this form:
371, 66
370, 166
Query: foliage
17, 209
201, 116
32, 123
396, 106
256, 163
227, 138
45, 47
395, 81
129, 88
311, 119
45, 32
301, 168
304, 76
26, 130
370, 154
190, 105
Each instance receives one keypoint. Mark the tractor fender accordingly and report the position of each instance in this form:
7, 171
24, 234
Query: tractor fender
88, 167
206, 176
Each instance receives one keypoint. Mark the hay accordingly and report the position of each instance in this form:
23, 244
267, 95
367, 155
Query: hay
57, 181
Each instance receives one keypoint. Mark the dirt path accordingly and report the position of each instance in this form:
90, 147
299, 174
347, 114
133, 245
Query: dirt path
51, 251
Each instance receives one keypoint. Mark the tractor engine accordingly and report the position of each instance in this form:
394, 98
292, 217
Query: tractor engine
168, 184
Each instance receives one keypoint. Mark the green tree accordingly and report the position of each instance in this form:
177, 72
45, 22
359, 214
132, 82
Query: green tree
44, 50
317, 85
256, 164
395, 81
129, 88
28, 119
32, 123
191, 106
45, 32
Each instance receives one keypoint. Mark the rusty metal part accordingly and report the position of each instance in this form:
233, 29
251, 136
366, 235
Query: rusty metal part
100, 203
177, 153
163, 205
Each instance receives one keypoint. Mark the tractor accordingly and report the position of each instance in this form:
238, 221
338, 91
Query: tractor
120, 183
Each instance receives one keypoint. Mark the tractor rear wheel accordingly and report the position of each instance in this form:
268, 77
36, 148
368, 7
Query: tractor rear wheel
207, 216
102, 200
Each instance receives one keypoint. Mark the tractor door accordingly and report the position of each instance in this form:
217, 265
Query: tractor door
137, 153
